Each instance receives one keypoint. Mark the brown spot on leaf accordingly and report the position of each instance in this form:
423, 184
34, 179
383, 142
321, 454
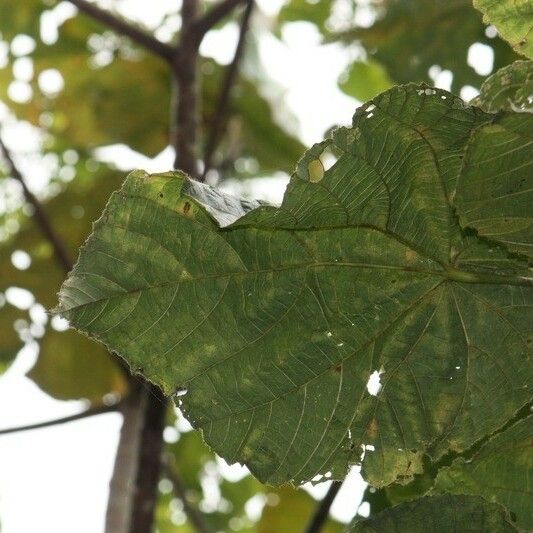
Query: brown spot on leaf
186, 208
372, 429
411, 256
338, 368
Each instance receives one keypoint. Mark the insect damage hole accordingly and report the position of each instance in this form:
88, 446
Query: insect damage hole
180, 391
374, 385
317, 168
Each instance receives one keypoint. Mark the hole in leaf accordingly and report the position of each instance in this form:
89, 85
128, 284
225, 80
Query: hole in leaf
374, 385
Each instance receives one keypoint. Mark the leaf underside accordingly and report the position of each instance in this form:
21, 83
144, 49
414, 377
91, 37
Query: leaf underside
270, 326
445, 514
510, 89
514, 20
500, 472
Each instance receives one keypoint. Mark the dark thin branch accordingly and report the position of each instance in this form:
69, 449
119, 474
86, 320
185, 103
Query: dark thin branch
321, 514
93, 411
120, 26
214, 16
184, 135
41, 217
194, 516
220, 115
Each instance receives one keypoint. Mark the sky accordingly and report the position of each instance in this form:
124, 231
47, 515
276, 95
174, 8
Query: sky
56, 479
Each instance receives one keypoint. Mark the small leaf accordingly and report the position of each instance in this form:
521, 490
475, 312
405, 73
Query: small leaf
272, 319
439, 514
513, 19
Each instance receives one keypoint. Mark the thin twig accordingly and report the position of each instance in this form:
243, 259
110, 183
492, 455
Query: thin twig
194, 516
321, 514
93, 411
120, 26
220, 115
212, 17
41, 217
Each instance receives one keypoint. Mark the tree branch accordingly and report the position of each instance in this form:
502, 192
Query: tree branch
203, 24
93, 411
148, 468
42, 219
321, 514
194, 516
122, 483
184, 135
120, 26
220, 115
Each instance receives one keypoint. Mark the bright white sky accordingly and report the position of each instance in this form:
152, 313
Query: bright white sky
55, 480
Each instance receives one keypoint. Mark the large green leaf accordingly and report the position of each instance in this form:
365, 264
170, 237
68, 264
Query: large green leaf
514, 20
439, 514
411, 36
270, 327
510, 89
494, 192
500, 472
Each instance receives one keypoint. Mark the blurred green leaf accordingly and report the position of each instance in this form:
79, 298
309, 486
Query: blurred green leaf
18, 17
72, 367
315, 11
411, 36
288, 509
191, 454
10, 341
69, 366
364, 80
251, 130
104, 90
126, 100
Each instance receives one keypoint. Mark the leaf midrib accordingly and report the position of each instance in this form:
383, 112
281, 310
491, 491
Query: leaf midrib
451, 274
